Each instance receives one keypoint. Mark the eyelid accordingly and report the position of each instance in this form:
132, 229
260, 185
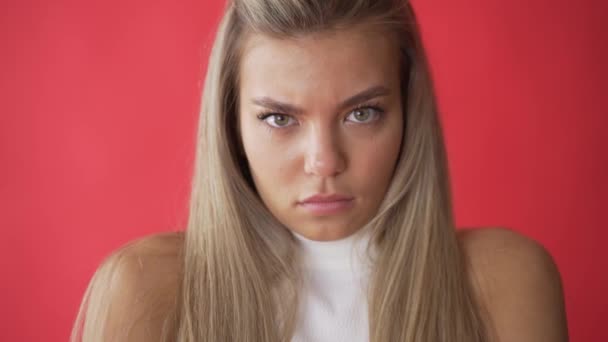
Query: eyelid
375, 106
379, 111
266, 115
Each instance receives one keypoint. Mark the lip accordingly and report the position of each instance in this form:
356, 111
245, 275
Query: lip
326, 198
323, 205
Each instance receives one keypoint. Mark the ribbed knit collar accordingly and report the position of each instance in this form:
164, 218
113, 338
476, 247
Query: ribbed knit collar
342, 254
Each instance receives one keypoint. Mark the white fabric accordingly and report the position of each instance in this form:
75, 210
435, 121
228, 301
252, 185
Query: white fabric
334, 304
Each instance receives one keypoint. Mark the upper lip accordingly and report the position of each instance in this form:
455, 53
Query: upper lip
320, 198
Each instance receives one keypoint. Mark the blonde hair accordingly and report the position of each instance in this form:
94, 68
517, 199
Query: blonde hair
240, 275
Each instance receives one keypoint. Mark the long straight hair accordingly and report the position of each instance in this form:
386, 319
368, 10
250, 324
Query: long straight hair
241, 279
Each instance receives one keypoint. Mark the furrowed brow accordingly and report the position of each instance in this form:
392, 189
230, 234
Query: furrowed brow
286, 108
363, 96
277, 106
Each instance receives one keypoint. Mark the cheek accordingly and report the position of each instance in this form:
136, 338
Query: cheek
270, 161
268, 165
373, 163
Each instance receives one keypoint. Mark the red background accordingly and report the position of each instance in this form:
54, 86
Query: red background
99, 108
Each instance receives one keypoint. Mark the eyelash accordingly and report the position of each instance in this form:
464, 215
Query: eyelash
373, 105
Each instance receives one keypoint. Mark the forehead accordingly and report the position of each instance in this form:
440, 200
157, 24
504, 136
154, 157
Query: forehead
332, 64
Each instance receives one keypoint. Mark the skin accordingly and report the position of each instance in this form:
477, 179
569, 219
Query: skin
513, 276
319, 146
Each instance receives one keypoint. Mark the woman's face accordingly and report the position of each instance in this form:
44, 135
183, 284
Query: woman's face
321, 115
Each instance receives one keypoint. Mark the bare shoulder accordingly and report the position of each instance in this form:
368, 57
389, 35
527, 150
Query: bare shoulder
518, 282
163, 248
149, 262
132, 295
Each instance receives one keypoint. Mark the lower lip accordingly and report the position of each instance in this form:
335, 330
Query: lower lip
327, 208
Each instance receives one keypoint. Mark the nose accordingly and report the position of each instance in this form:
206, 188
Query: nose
323, 157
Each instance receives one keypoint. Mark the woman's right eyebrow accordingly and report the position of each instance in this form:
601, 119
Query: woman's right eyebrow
277, 106
286, 108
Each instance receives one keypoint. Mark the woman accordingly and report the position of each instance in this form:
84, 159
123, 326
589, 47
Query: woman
320, 206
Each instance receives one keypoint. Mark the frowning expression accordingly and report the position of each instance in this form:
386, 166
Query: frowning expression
321, 122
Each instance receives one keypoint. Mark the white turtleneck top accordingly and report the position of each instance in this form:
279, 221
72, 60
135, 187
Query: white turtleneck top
334, 302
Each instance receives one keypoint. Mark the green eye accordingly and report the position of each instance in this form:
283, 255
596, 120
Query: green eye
280, 120
364, 115
361, 115
277, 120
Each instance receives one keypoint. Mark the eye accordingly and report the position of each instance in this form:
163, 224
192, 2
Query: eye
365, 114
277, 120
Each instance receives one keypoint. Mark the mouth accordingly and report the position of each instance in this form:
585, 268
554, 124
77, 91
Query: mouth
320, 205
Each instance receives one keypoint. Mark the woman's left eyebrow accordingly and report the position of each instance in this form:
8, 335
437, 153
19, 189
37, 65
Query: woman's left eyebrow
287, 108
363, 96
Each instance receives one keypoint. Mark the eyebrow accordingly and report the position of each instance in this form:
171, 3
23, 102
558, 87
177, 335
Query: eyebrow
287, 108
